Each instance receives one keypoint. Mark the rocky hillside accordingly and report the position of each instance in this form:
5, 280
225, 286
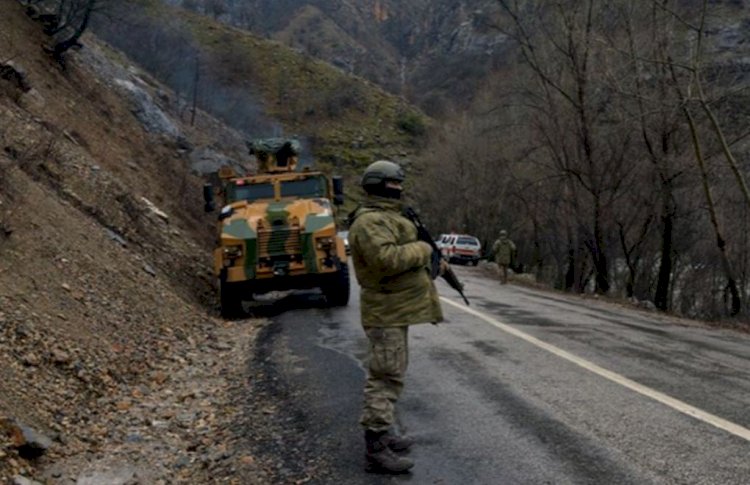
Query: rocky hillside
113, 365
436, 53
263, 88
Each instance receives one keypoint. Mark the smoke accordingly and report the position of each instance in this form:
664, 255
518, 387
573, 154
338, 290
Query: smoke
168, 51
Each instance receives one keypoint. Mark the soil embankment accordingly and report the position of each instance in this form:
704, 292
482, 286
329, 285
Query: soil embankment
114, 367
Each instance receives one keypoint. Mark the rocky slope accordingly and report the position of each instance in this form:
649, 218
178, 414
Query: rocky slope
114, 367
264, 88
436, 53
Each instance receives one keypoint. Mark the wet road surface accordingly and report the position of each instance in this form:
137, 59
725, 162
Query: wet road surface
525, 387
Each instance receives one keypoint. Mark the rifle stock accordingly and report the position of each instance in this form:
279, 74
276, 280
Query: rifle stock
424, 235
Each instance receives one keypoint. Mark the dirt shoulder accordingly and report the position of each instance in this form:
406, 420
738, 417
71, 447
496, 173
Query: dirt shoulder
114, 366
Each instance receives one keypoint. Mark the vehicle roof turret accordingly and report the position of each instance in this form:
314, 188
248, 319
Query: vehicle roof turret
275, 155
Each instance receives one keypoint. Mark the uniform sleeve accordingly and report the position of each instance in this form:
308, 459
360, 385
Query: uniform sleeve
379, 249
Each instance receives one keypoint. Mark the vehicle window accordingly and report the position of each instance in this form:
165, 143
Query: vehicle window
469, 241
249, 192
309, 188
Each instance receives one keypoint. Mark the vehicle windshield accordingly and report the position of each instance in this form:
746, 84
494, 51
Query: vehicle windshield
249, 192
469, 241
311, 187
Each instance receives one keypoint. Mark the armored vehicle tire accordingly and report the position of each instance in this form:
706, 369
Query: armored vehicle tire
230, 299
337, 290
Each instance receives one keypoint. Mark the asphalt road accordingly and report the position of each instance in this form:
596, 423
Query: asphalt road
526, 387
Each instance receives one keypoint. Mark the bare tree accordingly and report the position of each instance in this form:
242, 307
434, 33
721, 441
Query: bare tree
604, 182
647, 34
559, 43
65, 21
721, 242
465, 186
695, 82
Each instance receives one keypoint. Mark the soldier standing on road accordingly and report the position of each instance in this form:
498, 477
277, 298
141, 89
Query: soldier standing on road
393, 270
505, 252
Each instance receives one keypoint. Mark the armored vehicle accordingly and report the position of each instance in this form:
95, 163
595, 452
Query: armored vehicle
277, 229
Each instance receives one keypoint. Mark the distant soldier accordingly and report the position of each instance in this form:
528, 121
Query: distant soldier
505, 254
393, 270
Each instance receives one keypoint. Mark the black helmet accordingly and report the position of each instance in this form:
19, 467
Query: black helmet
377, 173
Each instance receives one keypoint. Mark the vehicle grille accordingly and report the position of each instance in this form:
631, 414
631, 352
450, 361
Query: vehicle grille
279, 241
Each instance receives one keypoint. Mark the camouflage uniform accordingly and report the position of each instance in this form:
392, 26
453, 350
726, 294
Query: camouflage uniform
392, 268
504, 251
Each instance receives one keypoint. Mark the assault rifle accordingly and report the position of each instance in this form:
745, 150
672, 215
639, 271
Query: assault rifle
448, 275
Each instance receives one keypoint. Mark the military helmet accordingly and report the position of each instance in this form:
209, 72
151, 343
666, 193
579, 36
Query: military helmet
378, 172
503, 232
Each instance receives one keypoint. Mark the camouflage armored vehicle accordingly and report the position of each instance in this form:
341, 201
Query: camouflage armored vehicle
277, 229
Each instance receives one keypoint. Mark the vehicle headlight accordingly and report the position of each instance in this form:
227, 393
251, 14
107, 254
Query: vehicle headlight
232, 252
226, 211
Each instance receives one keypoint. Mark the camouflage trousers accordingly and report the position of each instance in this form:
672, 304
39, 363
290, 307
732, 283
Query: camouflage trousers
388, 359
503, 270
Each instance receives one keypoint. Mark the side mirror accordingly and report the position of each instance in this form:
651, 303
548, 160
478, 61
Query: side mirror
338, 189
208, 198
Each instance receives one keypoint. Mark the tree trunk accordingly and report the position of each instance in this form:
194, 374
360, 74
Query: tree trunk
661, 297
736, 302
598, 256
570, 269
632, 267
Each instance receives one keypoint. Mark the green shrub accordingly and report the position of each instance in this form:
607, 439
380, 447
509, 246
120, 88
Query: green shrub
411, 123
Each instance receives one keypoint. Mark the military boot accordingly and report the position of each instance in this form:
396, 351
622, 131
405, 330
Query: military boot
380, 458
397, 443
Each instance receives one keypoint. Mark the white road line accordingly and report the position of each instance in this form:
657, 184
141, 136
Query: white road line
680, 406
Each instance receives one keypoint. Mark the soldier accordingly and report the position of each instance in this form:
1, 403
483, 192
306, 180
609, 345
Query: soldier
393, 269
505, 252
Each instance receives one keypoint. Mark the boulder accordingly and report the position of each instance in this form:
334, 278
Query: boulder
28, 442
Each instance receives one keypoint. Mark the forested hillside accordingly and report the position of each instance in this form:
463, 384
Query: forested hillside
608, 137
614, 149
